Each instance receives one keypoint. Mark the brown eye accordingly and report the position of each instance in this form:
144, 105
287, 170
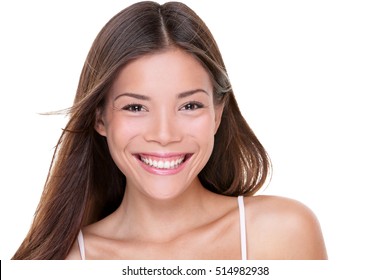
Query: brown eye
192, 106
134, 108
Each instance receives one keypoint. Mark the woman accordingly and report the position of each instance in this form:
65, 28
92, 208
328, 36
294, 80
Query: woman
156, 157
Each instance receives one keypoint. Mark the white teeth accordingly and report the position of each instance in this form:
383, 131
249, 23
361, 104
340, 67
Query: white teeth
161, 164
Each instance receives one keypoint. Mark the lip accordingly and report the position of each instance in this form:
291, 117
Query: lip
165, 157
162, 155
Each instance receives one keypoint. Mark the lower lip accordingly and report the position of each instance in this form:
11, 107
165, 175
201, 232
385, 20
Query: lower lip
158, 171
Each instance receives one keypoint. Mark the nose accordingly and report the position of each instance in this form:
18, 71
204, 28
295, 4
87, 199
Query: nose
164, 129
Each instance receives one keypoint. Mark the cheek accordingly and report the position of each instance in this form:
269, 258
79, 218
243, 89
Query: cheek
202, 128
121, 131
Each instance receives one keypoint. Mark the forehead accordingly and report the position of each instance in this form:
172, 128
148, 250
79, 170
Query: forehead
172, 70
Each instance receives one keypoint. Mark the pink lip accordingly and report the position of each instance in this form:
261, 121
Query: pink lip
160, 171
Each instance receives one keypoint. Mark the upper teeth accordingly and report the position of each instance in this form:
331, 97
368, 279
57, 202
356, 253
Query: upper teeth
162, 164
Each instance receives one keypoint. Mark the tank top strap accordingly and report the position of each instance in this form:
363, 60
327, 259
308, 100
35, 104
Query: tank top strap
241, 208
80, 241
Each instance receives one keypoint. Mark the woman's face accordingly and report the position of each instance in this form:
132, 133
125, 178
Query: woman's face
160, 121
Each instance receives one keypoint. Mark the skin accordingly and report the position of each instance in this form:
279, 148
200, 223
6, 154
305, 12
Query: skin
169, 215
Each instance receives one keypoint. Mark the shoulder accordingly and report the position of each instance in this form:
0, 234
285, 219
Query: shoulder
282, 228
74, 253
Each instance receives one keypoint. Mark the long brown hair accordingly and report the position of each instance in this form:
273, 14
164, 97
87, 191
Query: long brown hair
84, 185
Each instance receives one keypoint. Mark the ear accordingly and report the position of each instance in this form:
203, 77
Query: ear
218, 116
100, 126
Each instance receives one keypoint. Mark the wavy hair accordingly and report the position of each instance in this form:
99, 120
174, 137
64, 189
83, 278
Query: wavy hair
84, 185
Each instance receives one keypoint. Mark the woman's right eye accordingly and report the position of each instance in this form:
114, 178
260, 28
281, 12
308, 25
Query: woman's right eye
134, 108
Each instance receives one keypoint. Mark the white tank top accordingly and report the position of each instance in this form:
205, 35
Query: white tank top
241, 208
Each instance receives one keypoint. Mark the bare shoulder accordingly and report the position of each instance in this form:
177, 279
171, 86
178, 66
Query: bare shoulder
282, 228
88, 236
74, 253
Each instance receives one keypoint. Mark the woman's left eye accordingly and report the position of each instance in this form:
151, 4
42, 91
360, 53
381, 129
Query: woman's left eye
192, 106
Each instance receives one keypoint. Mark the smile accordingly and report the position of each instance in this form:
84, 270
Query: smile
163, 164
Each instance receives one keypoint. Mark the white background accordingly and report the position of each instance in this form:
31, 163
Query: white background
311, 78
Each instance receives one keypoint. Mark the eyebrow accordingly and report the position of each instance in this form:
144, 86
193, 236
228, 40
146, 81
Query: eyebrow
191, 92
144, 97
135, 95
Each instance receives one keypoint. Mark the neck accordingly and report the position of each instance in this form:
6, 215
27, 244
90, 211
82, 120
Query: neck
162, 219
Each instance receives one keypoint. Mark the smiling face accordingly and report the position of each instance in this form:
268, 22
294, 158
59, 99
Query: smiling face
160, 120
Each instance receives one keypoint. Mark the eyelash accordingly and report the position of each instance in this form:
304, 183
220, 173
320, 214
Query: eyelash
190, 106
193, 104
134, 108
